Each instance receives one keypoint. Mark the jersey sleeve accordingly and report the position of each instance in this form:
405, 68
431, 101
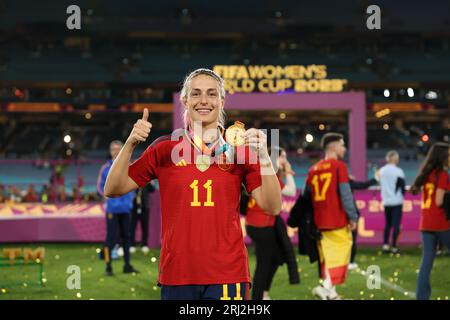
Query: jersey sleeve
442, 181
345, 192
343, 173
252, 173
143, 170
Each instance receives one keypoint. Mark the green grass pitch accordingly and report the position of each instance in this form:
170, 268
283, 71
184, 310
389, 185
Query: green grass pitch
18, 282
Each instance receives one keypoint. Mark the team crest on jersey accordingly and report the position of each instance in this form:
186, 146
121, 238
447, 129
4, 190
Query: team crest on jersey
202, 162
223, 164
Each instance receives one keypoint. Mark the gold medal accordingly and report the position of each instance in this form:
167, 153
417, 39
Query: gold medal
235, 134
202, 162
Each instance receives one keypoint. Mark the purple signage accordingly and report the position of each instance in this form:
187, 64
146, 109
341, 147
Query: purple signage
86, 223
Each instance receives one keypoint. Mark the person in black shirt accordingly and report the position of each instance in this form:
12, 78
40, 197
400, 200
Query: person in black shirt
141, 212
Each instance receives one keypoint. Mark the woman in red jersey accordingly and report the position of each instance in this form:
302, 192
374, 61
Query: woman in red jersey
261, 228
203, 255
433, 180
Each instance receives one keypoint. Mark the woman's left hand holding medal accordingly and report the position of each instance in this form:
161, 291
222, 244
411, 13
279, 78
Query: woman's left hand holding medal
257, 141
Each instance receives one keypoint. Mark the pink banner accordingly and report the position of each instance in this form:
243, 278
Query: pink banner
372, 221
15, 211
85, 222
371, 224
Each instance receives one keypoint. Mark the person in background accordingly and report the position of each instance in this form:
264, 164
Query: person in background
31, 195
75, 196
358, 185
432, 181
79, 188
15, 195
118, 213
334, 214
262, 229
141, 212
2, 193
58, 183
45, 194
392, 182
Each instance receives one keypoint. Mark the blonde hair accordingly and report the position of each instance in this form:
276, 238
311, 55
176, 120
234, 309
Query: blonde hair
391, 155
187, 84
116, 142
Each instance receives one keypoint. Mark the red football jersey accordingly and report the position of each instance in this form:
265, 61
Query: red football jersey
256, 216
433, 218
201, 235
323, 179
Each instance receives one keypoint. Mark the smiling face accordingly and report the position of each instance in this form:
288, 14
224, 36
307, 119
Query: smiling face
203, 102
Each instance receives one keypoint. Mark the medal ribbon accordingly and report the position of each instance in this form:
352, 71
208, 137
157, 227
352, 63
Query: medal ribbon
216, 147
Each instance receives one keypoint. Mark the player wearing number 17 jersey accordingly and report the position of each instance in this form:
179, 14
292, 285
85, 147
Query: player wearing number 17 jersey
334, 211
203, 255
433, 181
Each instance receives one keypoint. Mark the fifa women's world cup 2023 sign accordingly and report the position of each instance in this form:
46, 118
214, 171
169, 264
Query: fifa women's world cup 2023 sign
273, 79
